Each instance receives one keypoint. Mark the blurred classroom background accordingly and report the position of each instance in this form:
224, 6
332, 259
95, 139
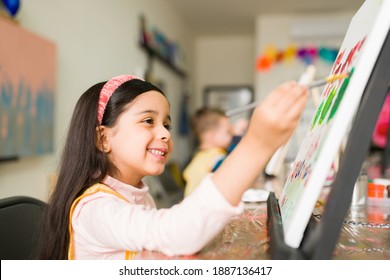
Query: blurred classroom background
198, 52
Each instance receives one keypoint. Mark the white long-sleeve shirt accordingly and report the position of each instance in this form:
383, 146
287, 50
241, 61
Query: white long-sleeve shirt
105, 226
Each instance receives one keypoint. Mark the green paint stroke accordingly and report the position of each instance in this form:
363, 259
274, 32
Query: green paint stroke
327, 105
340, 96
317, 115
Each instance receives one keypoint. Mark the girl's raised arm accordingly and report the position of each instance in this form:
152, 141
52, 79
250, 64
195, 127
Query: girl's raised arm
271, 125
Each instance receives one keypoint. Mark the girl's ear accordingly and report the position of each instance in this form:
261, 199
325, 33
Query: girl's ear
102, 142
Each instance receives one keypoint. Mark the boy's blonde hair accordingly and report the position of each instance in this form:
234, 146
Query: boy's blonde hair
206, 119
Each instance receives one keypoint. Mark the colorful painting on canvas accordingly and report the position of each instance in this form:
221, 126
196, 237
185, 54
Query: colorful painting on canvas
333, 117
27, 86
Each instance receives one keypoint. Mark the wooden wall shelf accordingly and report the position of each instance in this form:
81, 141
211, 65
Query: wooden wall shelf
154, 54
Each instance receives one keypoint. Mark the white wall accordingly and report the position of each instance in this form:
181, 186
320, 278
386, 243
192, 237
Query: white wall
281, 30
95, 40
223, 60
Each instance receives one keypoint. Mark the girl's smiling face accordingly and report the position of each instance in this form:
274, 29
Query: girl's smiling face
140, 143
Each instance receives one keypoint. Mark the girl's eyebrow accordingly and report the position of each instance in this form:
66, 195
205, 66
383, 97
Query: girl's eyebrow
154, 112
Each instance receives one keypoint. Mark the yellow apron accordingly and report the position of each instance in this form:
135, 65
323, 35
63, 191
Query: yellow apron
94, 189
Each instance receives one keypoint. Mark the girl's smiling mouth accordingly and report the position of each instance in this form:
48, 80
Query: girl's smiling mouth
158, 152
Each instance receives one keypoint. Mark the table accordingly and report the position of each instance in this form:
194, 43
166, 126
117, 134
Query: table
365, 235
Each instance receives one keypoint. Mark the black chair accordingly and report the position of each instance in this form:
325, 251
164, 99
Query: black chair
20, 220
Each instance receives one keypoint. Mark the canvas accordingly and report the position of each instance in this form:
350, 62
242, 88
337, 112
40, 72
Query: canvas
333, 117
27, 86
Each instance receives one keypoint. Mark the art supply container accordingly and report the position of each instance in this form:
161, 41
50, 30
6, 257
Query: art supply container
360, 191
375, 190
385, 182
378, 192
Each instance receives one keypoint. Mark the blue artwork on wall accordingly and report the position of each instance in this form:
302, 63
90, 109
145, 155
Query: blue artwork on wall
27, 87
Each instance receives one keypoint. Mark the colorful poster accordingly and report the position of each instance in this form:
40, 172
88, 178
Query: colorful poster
333, 117
27, 86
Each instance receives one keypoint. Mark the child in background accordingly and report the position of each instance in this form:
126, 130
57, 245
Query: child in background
239, 129
214, 134
119, 133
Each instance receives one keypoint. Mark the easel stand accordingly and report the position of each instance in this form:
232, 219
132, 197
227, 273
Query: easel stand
320, 237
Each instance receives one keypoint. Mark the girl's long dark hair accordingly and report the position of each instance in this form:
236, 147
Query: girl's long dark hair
82, 163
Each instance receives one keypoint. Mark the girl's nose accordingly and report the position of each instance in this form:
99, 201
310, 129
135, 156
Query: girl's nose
164, 133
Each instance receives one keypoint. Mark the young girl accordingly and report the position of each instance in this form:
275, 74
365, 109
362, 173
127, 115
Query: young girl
119, 133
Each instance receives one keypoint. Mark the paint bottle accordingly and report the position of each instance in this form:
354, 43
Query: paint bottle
360, 191
375, 190
383, 182
378, 192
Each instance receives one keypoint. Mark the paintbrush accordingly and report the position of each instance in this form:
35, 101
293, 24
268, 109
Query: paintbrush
311, 85
327, 80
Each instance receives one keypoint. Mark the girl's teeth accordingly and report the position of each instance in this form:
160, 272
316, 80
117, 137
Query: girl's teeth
156, 152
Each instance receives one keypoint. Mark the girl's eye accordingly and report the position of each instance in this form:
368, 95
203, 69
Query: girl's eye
168, 127
149, 121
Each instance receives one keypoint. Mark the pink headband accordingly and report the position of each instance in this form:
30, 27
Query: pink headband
108, 89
